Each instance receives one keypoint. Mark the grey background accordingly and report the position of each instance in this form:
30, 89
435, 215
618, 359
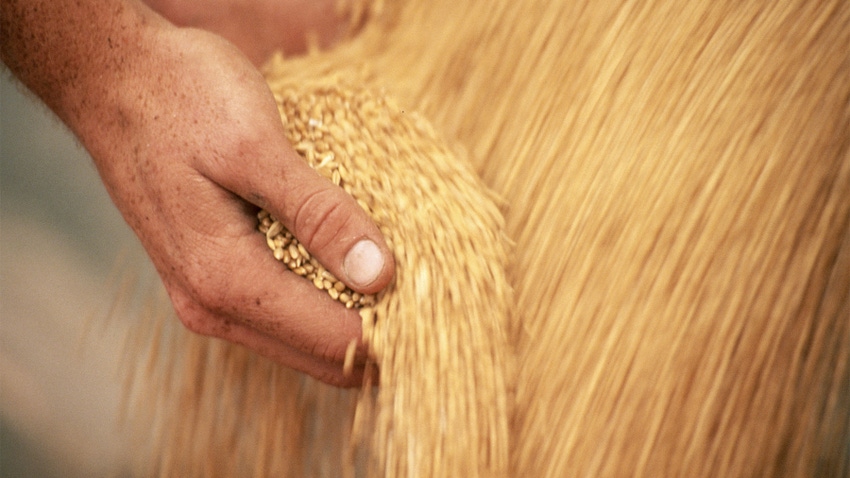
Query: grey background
60, 243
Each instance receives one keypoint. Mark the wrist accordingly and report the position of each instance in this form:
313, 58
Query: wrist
74, 55
126, 59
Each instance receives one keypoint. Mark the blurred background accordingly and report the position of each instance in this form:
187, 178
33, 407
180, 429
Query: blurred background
63, 251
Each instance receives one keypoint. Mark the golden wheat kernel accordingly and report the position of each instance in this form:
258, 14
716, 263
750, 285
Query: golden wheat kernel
339, 286
278, 254
293, 251
335, 177
300, 271
367, 316
343, 171
344, 297
339, 152
303, 251
318, 283
274, 229
356, 296
349, 304
348, 364
326, 159
333, 293
363, 205
270, 243
337, 132
327, 284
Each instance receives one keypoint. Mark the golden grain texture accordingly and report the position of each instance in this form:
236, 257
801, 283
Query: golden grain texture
677, 177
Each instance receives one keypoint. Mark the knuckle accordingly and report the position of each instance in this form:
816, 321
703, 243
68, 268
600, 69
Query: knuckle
208, 283
203, 299
192, 315
321, 218
209, 295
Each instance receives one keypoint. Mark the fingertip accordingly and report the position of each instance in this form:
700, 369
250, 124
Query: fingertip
330, 224
367, 266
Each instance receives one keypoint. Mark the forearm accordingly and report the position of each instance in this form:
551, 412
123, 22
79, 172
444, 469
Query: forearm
75, 54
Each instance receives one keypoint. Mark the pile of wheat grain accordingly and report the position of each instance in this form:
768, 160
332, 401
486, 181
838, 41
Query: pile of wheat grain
677, 177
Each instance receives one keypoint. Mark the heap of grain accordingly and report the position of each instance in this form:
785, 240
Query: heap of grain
677, 180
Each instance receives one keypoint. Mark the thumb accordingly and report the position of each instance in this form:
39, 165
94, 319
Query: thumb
251, 157
322, 216
332, 227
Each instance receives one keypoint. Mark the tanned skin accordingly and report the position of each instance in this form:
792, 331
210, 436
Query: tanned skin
188, 142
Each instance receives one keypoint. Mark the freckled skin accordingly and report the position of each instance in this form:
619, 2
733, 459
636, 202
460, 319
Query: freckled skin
188, 142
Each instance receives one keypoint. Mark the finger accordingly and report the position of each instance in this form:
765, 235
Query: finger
317, 350
323, 217
244, 285
336, 374
332, 373
335, 228
282, 305
229, 276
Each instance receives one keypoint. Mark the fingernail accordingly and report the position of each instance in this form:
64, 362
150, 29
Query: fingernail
363, 263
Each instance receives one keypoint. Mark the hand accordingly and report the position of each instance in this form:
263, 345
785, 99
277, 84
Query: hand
193, 147
260, 27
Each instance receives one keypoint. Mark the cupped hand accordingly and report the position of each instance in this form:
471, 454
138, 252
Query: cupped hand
192, 149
